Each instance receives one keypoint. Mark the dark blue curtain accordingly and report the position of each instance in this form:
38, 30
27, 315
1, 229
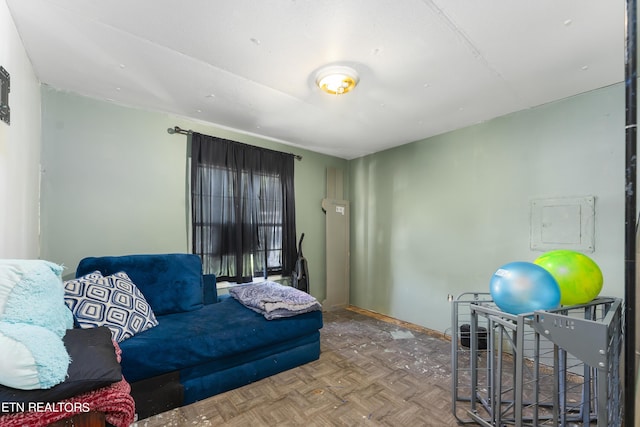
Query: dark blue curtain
243, 209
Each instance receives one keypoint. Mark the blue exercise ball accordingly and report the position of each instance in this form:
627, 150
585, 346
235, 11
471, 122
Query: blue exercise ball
522, 287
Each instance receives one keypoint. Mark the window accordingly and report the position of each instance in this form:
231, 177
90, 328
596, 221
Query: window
243, 210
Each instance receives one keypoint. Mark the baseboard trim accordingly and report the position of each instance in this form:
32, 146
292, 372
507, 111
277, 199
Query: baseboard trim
402, 323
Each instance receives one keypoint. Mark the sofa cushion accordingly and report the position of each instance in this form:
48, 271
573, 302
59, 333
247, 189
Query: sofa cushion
93, 365
113, 301
215, 332
210, 290
208, 380
171, 283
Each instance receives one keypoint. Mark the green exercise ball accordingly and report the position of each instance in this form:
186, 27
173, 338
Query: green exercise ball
578, 276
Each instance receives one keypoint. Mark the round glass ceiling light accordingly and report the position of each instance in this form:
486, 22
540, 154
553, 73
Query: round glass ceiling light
337, 79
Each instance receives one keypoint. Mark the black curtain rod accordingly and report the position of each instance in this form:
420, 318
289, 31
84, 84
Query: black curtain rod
177, 129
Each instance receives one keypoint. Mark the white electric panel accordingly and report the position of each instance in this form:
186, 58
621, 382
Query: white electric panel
563, 223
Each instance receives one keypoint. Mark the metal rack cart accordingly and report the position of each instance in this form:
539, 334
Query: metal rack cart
545, 368
462, 374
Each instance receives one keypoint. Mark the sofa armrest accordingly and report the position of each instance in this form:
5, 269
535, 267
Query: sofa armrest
210, 289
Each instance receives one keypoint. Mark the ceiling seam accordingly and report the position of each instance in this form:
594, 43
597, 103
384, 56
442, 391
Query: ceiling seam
466, 40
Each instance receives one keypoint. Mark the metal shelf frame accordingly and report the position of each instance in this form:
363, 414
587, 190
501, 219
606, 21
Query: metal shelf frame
541, 368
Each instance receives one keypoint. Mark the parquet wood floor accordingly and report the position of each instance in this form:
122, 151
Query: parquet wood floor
371, 372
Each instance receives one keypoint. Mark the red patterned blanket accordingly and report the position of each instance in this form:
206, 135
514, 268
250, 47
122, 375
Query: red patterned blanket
114, 400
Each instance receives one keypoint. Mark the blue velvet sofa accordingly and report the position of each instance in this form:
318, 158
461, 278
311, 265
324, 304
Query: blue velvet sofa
203, 345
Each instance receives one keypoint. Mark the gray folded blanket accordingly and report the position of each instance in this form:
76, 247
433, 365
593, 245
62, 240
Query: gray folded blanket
274, 300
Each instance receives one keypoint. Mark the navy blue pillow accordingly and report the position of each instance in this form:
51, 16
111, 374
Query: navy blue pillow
210, 289
94, 364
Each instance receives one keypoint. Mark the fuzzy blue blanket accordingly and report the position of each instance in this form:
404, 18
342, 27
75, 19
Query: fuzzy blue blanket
274, 300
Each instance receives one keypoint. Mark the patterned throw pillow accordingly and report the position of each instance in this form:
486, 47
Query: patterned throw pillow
113, 301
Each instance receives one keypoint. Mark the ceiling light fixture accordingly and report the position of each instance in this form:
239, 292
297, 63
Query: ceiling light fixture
337, 79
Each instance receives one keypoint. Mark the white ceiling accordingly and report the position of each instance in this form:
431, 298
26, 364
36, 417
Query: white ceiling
425, 66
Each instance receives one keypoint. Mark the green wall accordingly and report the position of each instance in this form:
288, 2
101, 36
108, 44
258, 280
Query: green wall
114, 183
428, 219
439, 216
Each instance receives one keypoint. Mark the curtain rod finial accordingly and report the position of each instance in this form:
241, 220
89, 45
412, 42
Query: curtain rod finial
177, 129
